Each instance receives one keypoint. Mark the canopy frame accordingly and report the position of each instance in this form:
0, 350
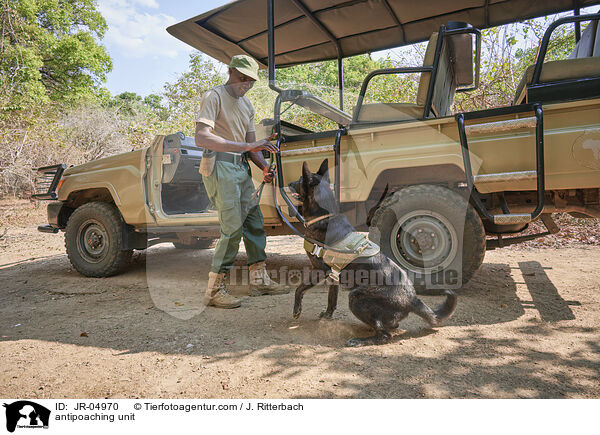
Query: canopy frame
220, 45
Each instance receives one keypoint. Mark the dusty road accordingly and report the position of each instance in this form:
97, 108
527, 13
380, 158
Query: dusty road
526, 326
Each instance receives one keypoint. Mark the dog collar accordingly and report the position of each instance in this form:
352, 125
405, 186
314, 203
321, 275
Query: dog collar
315, 220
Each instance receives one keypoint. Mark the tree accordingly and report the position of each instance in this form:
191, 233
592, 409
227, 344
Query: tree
506, 53
325, 74
183, 96
127, 103
154, 101
321, 79
49, 50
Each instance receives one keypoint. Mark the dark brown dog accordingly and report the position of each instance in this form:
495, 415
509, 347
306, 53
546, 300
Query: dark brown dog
381, 294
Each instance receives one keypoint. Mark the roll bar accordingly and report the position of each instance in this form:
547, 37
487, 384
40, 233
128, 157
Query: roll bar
444, 32
537, 72
321, 27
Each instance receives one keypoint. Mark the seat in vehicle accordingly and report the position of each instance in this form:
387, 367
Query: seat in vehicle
583, 62
451, 73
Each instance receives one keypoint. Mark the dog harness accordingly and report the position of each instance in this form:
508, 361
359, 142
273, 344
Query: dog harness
342, 253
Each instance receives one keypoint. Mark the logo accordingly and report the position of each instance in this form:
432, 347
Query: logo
26, 414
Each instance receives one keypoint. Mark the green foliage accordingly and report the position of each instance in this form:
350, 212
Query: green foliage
507, 52
49, 51
130, 104
183, 96
321, 79
139, 119
562, 42
393, 88
325, 74
154, 102
127, 103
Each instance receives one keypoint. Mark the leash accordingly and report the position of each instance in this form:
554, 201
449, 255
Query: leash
318, 219
337, 259
257, 194
319, 247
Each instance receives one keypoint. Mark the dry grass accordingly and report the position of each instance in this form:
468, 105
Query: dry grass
21, 213
42, 137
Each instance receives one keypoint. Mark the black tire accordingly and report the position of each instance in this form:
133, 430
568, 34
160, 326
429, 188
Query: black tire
93, 239
430, 218
196, 244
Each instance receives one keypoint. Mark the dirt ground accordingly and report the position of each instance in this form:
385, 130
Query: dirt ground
527, 326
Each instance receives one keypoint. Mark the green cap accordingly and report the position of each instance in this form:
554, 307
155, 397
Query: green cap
246, 65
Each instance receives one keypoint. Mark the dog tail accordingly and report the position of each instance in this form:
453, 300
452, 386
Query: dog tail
440, 314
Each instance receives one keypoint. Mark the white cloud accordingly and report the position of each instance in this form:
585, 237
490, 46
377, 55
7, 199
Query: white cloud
146, 3
138, 33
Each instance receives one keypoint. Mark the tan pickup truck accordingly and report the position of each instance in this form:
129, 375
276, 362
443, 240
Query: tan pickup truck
427, 184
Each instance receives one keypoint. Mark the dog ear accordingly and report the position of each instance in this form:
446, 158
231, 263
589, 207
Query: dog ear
324, 167
306, 175
324, 170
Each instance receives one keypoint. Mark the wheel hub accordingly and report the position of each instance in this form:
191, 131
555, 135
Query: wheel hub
92, 241
95, 240
424, 241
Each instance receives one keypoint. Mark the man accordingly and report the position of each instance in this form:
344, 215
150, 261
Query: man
225, 124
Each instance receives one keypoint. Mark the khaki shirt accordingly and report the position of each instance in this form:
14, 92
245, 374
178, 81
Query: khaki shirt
230, 118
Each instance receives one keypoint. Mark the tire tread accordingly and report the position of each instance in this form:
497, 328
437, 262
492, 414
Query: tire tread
119, 258
473, 254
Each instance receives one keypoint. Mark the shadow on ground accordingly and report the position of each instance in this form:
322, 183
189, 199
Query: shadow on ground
491, 347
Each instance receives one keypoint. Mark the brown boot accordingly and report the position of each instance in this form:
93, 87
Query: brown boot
262, 284
216, 293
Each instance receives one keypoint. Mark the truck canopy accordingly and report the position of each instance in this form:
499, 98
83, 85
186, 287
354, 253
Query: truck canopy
316, 30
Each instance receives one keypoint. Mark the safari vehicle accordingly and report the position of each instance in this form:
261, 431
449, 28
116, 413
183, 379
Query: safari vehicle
427, 184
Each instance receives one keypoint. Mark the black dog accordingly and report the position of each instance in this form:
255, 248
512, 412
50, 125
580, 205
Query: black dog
381, 294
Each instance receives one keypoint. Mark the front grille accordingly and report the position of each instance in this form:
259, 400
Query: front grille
47, 181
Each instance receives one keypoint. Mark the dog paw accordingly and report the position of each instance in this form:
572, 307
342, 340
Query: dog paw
369, 341
297, 312
355, 342
326, 315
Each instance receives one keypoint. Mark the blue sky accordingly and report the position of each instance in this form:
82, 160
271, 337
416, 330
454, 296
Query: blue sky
144, 55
